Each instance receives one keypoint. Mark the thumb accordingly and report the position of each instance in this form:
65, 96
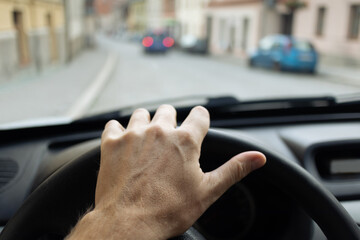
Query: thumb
231, 172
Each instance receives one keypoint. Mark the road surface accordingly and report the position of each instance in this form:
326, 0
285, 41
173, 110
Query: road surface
140, 77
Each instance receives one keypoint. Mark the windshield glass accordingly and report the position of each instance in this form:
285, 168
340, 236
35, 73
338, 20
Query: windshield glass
65, 59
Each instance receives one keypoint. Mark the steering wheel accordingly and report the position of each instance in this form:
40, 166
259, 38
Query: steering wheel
56, 205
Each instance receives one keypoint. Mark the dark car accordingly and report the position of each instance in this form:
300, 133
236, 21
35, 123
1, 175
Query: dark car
193, 44
283, 52
157, 42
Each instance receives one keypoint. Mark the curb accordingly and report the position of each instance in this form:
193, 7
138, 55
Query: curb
340, 78
88, 97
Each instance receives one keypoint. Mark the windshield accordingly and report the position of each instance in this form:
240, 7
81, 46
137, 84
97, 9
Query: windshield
62, 60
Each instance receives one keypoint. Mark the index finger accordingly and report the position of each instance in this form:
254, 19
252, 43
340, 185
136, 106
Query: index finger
197, 123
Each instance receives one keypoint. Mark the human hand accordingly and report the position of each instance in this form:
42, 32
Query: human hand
150, 184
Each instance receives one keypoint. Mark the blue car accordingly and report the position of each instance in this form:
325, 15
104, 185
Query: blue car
281, 52
157, 42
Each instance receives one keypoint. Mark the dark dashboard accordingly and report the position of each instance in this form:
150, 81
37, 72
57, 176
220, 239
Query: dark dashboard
252, 209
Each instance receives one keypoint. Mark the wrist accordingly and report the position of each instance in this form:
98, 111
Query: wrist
102, 224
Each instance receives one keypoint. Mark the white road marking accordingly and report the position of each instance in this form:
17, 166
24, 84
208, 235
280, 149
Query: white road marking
89, 95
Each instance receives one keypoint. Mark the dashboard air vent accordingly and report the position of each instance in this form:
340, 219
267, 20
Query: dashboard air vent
8, 170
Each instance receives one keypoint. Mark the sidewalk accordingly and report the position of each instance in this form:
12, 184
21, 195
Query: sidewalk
334, 73
66, 91
341, 74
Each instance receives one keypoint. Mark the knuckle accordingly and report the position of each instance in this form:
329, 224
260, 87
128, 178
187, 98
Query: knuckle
185, 137
130, 136
141, 111
167, 106
202, 110
156, 130
110, 124
166, 109
109, 141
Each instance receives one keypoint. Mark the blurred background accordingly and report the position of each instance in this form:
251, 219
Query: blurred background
55, 54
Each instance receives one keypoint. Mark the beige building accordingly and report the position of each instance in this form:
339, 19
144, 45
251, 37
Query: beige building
75, 31
236, 26
35, 34
137, 16
191, 18
145, 15
154, 14
333, 26
31, 35
109, 14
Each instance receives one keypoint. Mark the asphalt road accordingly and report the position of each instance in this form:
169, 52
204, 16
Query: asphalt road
140, 78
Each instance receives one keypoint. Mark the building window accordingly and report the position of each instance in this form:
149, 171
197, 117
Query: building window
354, 21
320, 21
244, 35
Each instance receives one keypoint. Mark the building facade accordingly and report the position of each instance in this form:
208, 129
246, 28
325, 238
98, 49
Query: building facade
31, 35
333, 26
169, 16
191, 18
74, 27
109, 14
137, 16
149, 15
236, 26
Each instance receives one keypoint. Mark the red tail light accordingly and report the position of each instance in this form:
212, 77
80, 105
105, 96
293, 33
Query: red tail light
147, 41
168, 42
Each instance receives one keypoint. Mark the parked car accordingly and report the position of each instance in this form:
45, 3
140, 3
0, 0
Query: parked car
281, 52
193, 44
157, 41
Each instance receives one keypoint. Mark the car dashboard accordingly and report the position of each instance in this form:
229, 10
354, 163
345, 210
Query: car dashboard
251, 209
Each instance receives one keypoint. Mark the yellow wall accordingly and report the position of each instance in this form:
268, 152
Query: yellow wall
6, 15
34, 13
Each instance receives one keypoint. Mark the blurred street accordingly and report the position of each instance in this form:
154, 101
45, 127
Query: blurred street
67, 59
118, 74
141, 77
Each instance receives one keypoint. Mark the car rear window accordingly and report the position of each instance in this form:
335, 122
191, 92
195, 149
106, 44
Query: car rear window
158, 36
303, 45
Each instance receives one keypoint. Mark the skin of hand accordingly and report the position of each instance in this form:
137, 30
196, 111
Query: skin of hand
150, 184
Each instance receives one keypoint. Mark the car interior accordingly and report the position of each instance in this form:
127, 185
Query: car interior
309, 188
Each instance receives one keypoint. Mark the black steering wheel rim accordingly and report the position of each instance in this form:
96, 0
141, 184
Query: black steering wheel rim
56, 205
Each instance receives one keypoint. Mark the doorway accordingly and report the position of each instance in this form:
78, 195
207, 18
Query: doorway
244, 35
51, 37
21, 38
286, 23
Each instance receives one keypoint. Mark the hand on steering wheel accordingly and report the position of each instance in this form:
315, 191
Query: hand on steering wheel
54, 207
150, 184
